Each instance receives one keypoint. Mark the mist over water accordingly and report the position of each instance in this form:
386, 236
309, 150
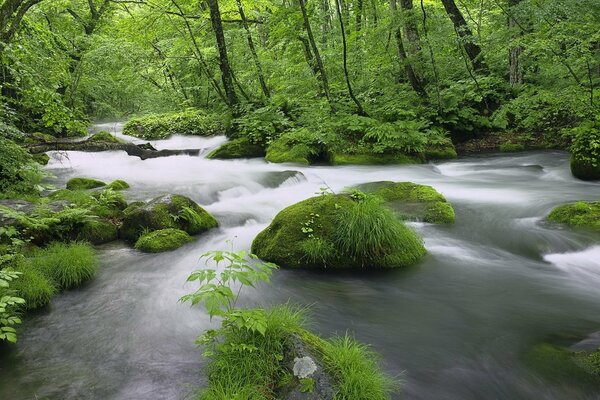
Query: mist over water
454, 327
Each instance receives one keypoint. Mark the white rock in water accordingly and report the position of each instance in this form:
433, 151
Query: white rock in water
304, 367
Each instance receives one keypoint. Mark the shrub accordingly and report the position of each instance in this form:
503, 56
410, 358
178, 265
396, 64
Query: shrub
67, 265
262, 126
162, 126
162, 240
19, 172
34, 286
300, 146
585, 150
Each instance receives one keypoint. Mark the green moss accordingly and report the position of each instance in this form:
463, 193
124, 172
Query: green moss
584, 169
172, 211
38, 137
578, 215
510, 147
300, 146
301, 235
411, 201
67, 265
559, 364
98, 232
41, 158
279, 152
33, 286
446, 152
162, 240
84, 184
118, 185
104, 136
237, 148
373, 159
590, 362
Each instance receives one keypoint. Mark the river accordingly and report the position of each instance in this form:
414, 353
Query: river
454, 327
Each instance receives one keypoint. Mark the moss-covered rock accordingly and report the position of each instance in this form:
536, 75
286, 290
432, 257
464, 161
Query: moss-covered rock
84, 184
98, 232
118, 185
510, 147
170, 211
299, 146
338, 231
41, 158
106, 137
237, 148
411, 201
440, 152
372, 159
162, 240
560, 364
578, 215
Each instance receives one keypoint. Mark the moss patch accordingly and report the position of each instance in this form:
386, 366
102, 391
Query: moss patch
237, 148
104, 136
162, 240
439, 152
336, 231
171, 211
84, 184
98, 232
510, 147
373, 159
118, 185
411, 201
559, 364
41, 158
578, 215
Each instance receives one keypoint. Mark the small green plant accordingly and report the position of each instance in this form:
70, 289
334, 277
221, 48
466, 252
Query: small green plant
9, 304
307, 385
67, 265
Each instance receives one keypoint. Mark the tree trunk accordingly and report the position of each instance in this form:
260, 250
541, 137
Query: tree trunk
361, 110
464, 32
11, 15
226, 76
415, 81
358, 4
514, 53
259, 71
315, 51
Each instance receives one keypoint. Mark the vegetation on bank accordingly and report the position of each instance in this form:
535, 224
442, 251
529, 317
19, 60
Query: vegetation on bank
190, 122
582, 214
263, 354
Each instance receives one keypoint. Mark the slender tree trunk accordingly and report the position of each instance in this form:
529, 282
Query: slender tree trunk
315, 51
360, 108
464, 32
259, 71
226, 75
11, 15
358, 5
310, 60
415, 82
514, 53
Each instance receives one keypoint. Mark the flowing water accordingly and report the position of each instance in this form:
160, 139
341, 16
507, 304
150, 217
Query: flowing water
455, 327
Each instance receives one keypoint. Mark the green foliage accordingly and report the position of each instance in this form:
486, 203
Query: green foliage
104, 136
162, 240
585, 159
237, 148
9, 304
67, 265
20, 174
578, 215
300, 146
262, 126
84, 184
509, 147
34, 286
356, 369
162, 126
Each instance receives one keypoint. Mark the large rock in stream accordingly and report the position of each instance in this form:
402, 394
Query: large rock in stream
164, 212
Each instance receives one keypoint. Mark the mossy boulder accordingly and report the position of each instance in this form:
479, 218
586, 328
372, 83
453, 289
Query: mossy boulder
170, 211
561, 364
338, 232
118, 185
41, 158
585, 170
411, 201
440, 152
300, 146
237, 148
104, 136
578, 215
84, 184
162, 240
98, 232
510, 147
372, 159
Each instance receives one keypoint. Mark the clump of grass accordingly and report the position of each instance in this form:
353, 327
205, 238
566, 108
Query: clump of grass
356, 370
235, 373
318, 250
67, 265
366, 231
33, 286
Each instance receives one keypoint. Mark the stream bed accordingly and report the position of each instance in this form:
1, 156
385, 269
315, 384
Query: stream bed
454, 327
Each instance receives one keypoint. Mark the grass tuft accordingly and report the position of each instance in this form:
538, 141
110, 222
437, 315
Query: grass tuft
33, 286
67, 265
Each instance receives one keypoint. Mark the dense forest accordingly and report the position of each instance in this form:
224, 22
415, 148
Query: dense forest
373, 89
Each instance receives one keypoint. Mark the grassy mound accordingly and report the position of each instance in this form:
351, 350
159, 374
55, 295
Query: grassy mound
98, 232
162, 240
162, 126
338, 231
372, 159
413, 202
33, 286
578, 215
67, 265
106, 137
171, 211
237, 148
84, 184
118, 185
